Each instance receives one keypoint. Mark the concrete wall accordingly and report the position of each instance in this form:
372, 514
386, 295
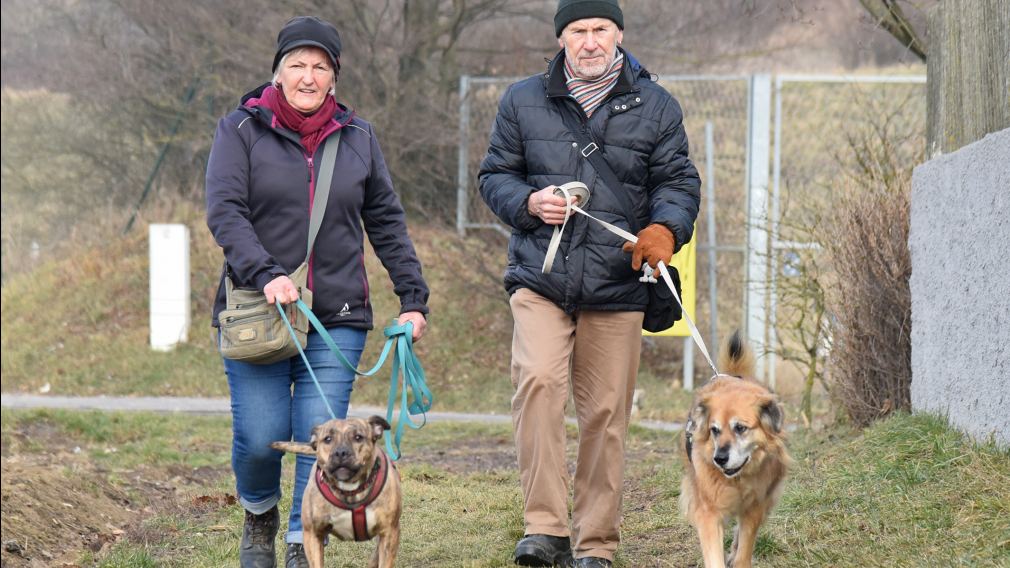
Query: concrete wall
960, 245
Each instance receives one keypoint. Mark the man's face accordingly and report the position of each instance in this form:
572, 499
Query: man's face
590, 46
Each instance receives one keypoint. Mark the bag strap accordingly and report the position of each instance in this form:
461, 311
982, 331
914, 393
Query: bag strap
591, 151
322, 189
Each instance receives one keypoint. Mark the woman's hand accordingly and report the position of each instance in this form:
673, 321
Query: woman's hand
281, 289
416, 318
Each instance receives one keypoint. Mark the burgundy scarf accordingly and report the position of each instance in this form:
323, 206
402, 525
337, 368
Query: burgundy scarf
311, 127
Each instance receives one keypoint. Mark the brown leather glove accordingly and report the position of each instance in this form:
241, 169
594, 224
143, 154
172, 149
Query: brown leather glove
655, 243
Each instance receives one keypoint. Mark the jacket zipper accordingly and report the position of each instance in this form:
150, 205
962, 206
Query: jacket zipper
312, 189
312, 195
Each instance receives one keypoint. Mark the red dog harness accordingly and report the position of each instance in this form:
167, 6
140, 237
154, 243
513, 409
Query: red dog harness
376, 480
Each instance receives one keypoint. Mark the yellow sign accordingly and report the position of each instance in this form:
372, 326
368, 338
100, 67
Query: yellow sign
684, 261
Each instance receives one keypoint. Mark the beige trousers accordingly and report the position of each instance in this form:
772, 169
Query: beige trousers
597, 352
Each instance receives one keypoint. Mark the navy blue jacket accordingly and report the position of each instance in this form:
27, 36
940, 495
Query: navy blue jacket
639, 128
258, 188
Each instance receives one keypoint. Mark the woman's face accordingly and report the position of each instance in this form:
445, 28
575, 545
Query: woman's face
305, 78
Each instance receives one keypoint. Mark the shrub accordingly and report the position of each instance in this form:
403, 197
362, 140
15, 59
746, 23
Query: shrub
866, 237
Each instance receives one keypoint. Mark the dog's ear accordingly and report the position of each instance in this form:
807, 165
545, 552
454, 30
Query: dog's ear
697, 421
314, 438
772, 415
378, 425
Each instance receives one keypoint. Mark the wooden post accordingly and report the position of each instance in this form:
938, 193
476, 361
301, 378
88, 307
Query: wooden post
968, 65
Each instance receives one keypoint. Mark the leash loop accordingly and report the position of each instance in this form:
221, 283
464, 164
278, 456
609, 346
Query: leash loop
580, 192
399, 343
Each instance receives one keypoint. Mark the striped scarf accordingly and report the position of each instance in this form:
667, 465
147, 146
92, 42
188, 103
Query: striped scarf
590, 92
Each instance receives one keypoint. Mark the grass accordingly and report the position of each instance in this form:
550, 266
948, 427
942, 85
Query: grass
119, 440
906, 492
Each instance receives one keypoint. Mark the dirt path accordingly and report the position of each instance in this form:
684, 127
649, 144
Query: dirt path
220, 406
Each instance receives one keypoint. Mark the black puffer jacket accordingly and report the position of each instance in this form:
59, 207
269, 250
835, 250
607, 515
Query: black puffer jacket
640, 128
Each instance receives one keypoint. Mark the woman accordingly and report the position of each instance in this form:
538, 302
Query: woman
260, 181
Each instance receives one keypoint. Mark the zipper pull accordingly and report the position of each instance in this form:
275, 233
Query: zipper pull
308, 160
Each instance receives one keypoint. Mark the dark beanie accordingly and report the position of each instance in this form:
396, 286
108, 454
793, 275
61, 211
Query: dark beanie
303, 31
571, 10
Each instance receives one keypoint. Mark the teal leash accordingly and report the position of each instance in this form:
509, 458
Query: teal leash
405, 363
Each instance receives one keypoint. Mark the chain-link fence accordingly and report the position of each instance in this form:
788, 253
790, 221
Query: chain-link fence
821, 119
824, 125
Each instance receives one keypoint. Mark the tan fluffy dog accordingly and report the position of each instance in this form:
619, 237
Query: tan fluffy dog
735, 458
353, 491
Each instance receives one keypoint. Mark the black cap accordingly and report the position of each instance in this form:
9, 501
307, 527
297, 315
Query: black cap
303, 31
571, 10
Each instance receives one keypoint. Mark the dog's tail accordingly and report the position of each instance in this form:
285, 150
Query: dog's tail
737, 358
294, 448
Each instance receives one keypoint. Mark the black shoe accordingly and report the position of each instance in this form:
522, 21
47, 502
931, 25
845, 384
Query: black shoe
295, 556
258, 534
543, 550
592, 562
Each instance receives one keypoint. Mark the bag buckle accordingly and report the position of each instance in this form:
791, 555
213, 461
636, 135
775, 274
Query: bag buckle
592, 147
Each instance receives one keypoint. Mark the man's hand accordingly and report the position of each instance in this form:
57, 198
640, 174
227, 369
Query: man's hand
655, 243
548, 207
416, 318
281, 289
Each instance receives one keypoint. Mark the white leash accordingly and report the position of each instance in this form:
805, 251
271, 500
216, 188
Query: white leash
690, 323
580, 191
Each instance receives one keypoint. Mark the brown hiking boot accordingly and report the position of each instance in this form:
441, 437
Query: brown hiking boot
258, 535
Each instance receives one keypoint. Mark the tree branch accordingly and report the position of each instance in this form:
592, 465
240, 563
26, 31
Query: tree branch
889, 15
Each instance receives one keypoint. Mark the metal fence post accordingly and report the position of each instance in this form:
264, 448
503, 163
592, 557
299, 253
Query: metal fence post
775, 231
464, 154
758, 142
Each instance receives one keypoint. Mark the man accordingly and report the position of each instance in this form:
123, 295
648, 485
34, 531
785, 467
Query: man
581, 322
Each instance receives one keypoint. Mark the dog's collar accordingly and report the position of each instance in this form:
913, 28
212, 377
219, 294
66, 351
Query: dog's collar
373, 486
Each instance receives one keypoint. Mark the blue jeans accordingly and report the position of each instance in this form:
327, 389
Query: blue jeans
279, 402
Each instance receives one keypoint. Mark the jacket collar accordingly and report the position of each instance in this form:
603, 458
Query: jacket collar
554, 79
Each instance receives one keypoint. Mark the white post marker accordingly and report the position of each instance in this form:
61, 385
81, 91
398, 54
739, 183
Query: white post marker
169, 250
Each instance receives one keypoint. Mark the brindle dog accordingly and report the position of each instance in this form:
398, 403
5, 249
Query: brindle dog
353, 491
